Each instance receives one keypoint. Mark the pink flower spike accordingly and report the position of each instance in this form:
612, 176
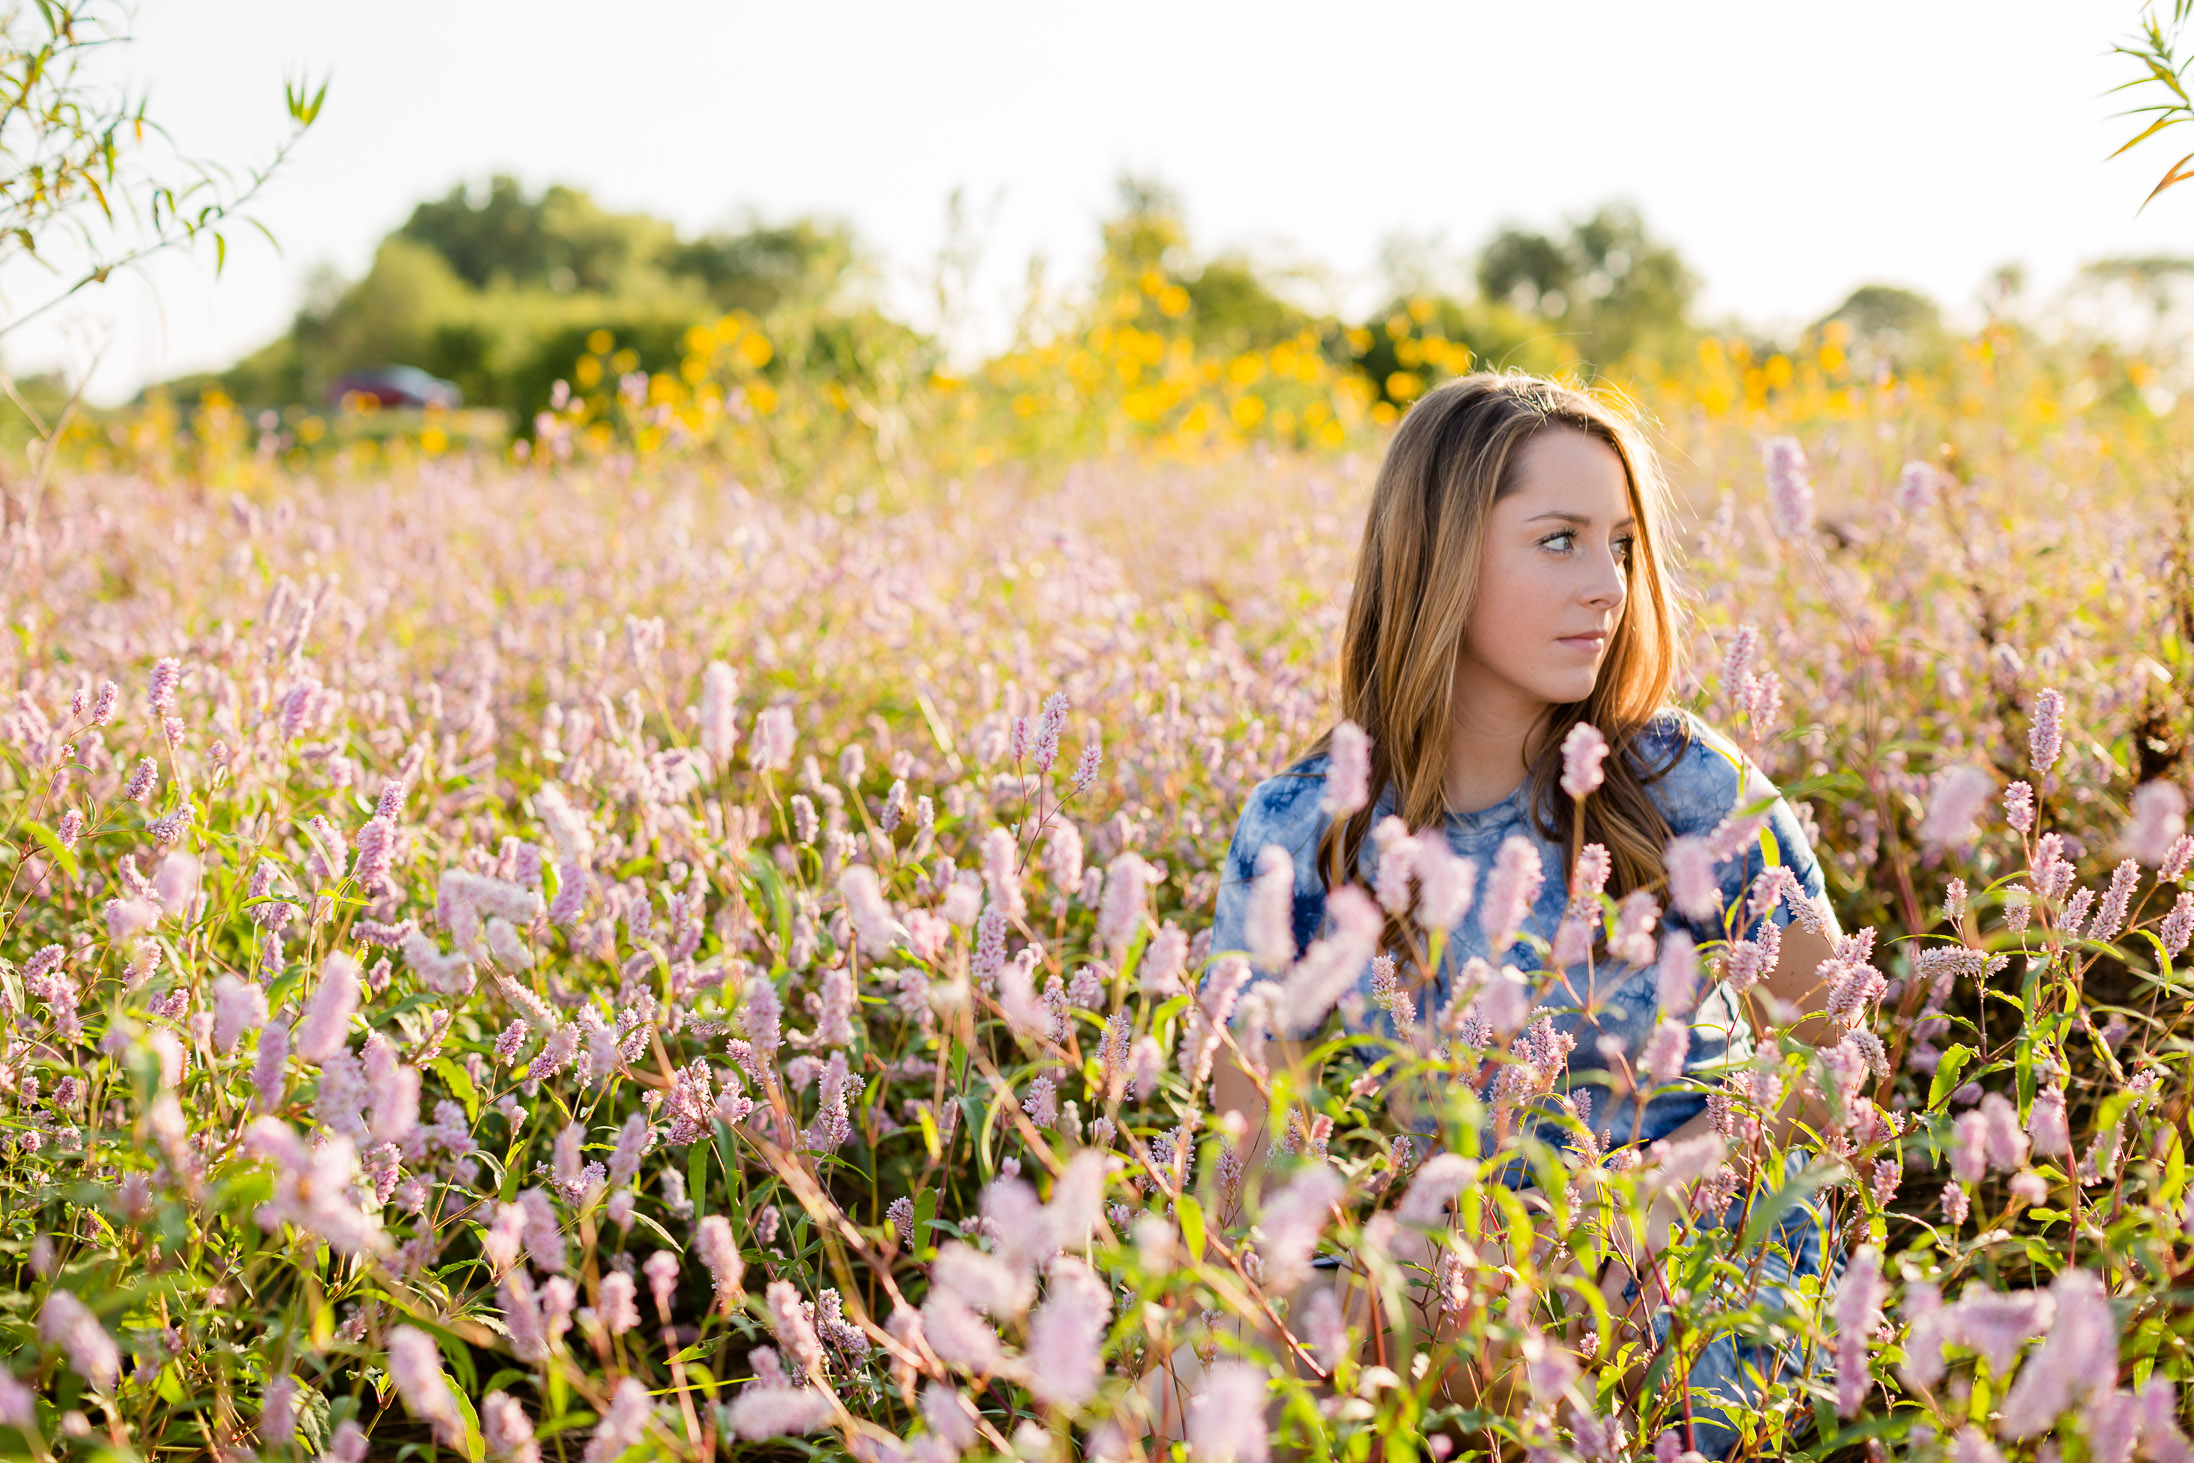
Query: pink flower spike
1583, 750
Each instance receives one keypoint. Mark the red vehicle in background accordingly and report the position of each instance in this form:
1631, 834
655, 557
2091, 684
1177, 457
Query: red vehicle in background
398, 386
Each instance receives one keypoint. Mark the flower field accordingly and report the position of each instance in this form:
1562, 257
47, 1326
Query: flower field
679, 944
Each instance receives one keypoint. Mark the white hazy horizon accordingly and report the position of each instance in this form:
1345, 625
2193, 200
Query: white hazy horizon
1789, 154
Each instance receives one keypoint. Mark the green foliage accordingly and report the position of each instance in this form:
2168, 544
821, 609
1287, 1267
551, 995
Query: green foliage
1608, 283
2156, 49
71, 172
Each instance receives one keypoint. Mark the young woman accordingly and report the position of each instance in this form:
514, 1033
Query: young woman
1511, 585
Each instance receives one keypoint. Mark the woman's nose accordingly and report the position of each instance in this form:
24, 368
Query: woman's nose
1609, 585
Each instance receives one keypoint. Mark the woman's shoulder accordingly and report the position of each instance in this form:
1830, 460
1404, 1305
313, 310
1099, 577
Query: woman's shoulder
1284, 809
1705, 770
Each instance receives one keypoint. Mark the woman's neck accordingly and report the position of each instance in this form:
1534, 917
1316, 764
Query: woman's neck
1489, 755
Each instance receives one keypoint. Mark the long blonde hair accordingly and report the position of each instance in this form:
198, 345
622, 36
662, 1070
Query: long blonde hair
1454, 456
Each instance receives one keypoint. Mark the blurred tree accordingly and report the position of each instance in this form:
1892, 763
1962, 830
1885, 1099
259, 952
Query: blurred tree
764, 268
562, 239
1889, 323
498, 290
1609, 284
1222, 305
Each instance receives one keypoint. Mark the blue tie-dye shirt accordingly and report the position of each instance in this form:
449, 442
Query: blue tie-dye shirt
1698, 791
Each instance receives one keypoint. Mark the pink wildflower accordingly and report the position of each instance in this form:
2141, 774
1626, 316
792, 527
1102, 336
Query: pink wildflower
2178, 926
1789, 488
1268, 923
1120, 917
325, 1026
1336, 962
2110, 919
1002, 872
139, 786
1954, 809
794, 1329
2046, 739
1445, 884
415, 1365
1666, 1051
1063, 857
1511, 890
1348, 770
764, 1411
1858, 1310
617, 1303
2019, 806
67, 1322
720, 1253
2158, 820
624, 1424
878, 929
1676, 978
2077, 1361
1066, 1334
1583, 750
507, 1429
1692, 885
1226, 1418
2045, 1123
770, 749
1916, 487
2005, 1140
719, 713
661, 1269
239, 1008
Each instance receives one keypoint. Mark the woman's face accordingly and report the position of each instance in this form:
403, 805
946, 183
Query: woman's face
1553, 567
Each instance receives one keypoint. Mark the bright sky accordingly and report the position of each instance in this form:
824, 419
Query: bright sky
1791, 152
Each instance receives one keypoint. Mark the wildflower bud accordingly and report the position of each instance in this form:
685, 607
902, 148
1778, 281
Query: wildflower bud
771, 746
102, 709
1916, 487
167, 674
1789, 488
139, 786
2019, 806
719, 713
1348, 770
2046, 739
323, 1029
1954, 811
71, 828
1583, 750
1692, 884
2158, 822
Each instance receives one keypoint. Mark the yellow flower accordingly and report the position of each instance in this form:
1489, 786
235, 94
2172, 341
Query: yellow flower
1247, 412
600, 342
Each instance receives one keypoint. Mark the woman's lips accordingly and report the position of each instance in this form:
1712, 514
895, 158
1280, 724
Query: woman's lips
1583, 642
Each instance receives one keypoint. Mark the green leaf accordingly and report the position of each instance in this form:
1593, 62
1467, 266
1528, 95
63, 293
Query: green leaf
1946, 1074
460, 1083
925, 1213
697, 1179
51, 842
475, 1445
1191, 1215
1766, 1212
